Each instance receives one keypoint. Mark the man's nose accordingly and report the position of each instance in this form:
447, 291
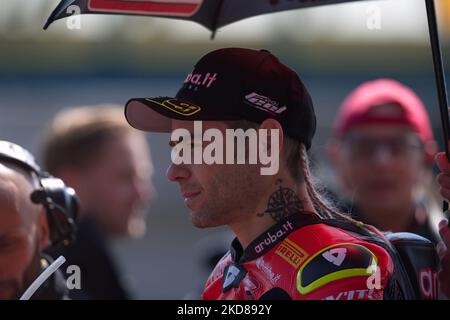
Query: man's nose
382, 155
177, 172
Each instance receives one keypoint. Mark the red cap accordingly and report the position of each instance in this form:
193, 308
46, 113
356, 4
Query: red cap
358, 106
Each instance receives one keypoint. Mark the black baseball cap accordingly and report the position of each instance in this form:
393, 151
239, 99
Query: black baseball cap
232, 84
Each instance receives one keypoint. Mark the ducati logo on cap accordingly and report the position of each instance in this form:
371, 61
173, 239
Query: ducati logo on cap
264, 103
183, 108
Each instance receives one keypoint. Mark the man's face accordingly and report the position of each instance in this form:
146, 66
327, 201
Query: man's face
117, 187
381, 166
216, 194
19, 236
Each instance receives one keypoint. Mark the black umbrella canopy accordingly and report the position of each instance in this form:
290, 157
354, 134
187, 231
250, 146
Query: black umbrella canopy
212, 14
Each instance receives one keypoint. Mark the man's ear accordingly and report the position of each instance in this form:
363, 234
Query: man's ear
70, 175
269, 125
44, 229
77, 179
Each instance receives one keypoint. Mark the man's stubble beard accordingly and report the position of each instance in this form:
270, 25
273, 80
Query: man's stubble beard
34, 268
230, 198
29, 275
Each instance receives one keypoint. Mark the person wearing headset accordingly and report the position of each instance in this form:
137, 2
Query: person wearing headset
36, 211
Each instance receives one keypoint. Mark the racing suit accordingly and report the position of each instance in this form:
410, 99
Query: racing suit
303, 257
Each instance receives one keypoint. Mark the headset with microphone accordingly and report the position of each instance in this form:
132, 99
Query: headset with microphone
60, 202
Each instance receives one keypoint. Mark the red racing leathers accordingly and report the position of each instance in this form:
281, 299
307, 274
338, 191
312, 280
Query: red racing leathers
300, 260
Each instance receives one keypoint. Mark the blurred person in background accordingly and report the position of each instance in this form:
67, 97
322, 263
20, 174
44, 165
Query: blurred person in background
35, 212
382, 151
108, 163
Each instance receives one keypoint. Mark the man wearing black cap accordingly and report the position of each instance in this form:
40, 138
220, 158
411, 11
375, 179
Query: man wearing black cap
290, 244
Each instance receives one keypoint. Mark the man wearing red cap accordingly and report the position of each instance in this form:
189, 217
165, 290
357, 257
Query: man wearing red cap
382, 149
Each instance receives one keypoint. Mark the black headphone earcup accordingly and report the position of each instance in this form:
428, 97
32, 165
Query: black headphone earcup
38, 196
62, 206
59, 201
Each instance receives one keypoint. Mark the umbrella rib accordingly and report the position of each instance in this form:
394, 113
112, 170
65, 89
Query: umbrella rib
216, 18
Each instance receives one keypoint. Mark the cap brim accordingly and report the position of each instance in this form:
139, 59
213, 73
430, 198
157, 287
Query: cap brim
155, 114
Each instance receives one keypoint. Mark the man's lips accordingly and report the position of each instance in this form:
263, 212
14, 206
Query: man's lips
190, 194
189, 197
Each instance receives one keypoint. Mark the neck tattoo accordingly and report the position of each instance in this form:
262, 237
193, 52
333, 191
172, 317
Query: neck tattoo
282, 203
